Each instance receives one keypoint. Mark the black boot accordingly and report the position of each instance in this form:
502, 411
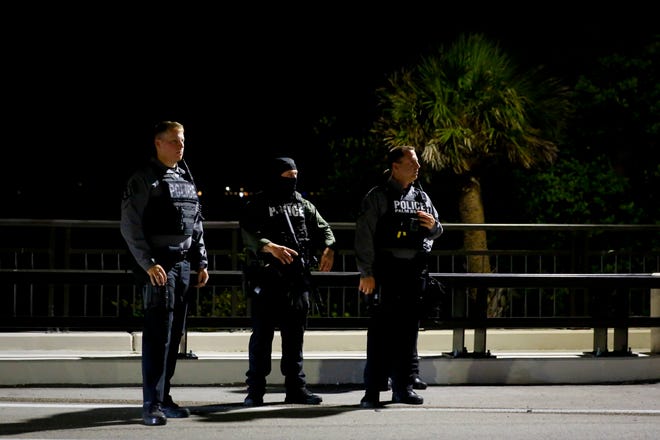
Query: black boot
302, 396
409, 397
152, 415
370, 400
255, 396
254, 400
419, 384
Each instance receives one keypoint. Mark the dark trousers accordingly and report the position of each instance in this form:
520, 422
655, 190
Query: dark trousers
415, 359
164, 323
271, 310
393, 328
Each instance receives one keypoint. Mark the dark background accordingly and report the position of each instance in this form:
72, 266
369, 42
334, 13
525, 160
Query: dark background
84, 86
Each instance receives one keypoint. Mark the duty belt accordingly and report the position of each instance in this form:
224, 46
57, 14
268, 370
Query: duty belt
173, 254
401, 254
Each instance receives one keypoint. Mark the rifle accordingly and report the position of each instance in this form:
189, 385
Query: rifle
305, 274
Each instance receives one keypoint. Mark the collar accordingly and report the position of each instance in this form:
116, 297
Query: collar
396, 186
165, 169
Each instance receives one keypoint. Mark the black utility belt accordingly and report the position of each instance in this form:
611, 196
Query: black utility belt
173, 254
406, 255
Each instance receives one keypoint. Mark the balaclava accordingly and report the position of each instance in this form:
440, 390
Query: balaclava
281, 187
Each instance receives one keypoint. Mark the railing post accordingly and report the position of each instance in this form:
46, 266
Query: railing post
600, 341
655, 311
183, 348
621, 310
600, 303
234, 248
458, 311
481, 305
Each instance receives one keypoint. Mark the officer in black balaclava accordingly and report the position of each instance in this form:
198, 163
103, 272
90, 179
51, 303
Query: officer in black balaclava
281, 187
282, 233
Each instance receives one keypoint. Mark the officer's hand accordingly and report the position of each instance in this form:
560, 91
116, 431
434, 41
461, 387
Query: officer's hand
202, 277
282, 253
327, 260
367, 285
157, 275
426, 220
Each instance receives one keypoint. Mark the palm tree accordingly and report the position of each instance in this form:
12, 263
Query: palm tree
467, 108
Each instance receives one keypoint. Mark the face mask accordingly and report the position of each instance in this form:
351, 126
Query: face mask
284, 186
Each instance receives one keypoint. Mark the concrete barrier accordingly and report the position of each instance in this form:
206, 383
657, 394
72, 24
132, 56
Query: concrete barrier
655, 311
521, 357
430, 341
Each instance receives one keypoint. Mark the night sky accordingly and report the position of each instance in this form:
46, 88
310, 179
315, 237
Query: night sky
84, 86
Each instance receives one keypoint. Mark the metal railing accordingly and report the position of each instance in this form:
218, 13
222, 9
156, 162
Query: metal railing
74, 274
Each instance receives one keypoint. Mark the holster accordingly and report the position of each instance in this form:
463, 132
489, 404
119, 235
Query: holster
433, 298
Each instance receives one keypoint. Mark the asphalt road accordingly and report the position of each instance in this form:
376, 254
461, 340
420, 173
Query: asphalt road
451, 412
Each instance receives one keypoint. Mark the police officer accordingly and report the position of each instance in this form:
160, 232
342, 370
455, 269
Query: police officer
395, 230
162, 226
282, 233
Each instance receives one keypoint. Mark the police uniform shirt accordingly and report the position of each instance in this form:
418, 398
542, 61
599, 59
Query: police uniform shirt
263, 221
144, 187
381, 201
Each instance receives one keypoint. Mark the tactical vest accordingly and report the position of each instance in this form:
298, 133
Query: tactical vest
398, 227
278, 227
173, 207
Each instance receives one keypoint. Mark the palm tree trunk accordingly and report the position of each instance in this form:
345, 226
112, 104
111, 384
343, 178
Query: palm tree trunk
471, 210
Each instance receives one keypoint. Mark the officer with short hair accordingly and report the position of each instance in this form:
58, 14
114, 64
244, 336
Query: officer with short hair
394, 234
162, 226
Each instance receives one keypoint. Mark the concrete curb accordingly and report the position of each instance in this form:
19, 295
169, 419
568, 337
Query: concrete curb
518, 357
315, 340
